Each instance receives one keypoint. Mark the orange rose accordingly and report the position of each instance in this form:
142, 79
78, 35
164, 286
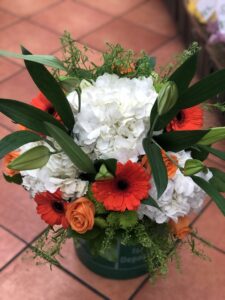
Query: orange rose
7, 160
80, 215
180, 229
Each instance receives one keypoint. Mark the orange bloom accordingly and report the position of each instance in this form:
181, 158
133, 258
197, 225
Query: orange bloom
170, 166
180, 229
80, 215
52, 208
125, 190
187, 119
145, 164
7, 160
44, 104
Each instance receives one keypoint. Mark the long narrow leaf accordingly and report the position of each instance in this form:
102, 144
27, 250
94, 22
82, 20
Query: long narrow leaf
74, 152
203, 90
179, 140
155, 159
27, 115
47, 60
51, 89
15, 140
218, 179
213, 151
211, 191
183, 75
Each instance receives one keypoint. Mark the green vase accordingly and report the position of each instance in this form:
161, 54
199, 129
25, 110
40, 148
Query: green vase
122, 262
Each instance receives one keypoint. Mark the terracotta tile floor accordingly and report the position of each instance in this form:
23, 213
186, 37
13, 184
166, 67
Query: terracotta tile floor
140, 24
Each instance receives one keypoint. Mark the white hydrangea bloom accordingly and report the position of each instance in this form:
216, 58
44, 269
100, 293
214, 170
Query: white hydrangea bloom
180, 197
114, 116
59, 172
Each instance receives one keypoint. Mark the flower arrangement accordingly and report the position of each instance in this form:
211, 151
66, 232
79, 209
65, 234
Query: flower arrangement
116, 151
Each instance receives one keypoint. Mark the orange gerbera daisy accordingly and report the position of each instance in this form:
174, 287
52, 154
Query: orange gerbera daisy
170, 166
125, 191
44, 104
52, 208
187, 119
7, 160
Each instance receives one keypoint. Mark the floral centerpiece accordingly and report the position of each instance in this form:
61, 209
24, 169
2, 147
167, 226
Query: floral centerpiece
113, 154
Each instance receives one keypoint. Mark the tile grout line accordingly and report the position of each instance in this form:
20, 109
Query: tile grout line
21, 251
14, 234
201, 213
62, 268
25, 17
138, 289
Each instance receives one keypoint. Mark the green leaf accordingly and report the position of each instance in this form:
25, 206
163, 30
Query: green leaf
89, 235
199, 153
211, 191
213, 135
179, 140
47, 60
15, 140
218, 179
100, 222
17, 179
155, 159
110, 163
122, 220
192, 166
213, 151
151, 202
103, 173
183, 75
205, 89
47, 84
128, 219
27, 115
74, 152
34, 158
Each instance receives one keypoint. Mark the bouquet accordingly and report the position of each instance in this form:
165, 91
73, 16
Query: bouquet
114, 152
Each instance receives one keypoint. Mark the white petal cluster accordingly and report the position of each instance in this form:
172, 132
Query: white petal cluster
181, 196
114, 116
58, 173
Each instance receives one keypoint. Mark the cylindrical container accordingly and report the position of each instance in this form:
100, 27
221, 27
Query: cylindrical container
125, 262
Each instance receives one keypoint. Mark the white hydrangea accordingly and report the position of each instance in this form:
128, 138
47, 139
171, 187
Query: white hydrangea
59, 172
114, 116
180, 197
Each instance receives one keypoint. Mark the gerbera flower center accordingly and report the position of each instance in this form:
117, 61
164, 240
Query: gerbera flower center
180, 116
122, 184
58, 206
51, 110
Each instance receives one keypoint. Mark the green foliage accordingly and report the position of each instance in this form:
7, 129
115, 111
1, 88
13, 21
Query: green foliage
34, 158
159, 171
179, 140
27, 115
213, 151
123, 220
49, 245
218, 179
74, 152
47, 60
17, 139
211, 191
99, 208
47, 84
17, 179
